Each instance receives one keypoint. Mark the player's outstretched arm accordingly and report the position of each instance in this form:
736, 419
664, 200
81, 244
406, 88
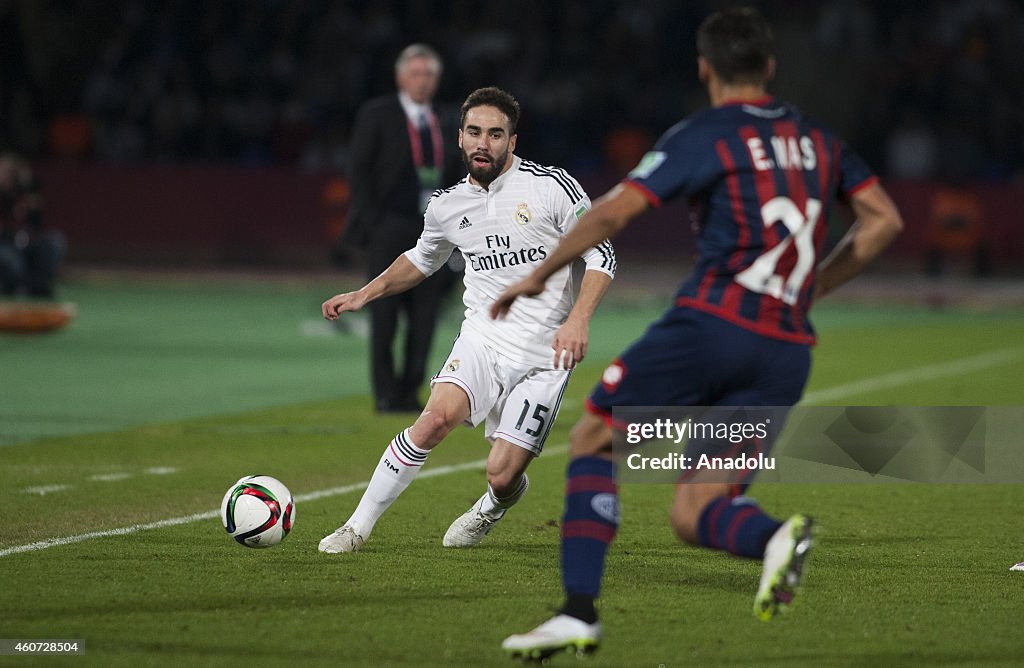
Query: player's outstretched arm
610, 215
399, 277
570, 343
878, 222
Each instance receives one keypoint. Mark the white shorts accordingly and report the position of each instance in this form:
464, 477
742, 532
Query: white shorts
519, 401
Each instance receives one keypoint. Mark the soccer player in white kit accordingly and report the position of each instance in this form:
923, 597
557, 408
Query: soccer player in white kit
506, 216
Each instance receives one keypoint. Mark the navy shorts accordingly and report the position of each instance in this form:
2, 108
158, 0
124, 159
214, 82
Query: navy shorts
692, 358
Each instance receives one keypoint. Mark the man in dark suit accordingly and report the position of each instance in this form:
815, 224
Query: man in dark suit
402, 150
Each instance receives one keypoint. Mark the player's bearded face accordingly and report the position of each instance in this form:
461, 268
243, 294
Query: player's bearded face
484, 166
486, 143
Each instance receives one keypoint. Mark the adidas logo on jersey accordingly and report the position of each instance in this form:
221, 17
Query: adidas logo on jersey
465, 223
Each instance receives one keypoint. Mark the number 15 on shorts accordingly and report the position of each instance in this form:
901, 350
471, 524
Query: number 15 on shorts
534, 423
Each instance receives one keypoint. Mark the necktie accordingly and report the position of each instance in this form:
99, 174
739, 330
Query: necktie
426, 141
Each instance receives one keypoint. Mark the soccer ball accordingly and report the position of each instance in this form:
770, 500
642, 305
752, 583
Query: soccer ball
258, 511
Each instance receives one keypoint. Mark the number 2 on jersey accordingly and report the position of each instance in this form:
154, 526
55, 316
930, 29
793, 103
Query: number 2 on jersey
760, 276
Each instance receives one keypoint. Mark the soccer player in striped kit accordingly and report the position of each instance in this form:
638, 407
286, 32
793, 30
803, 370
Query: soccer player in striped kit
505, 217
761, 180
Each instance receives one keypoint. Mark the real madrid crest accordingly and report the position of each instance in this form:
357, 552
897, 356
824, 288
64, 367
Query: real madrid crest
453, 366
522, 214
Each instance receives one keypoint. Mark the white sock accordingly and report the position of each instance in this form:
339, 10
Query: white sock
397, 468
494, 507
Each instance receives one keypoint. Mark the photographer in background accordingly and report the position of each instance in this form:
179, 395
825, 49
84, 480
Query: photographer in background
30, 253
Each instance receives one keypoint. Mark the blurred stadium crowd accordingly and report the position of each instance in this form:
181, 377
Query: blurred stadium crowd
923, 90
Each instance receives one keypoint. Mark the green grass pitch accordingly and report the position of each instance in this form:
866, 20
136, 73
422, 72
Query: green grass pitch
162, 394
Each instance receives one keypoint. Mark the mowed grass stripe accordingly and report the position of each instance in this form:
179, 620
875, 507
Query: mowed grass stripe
432, 472
919, 374
884, 381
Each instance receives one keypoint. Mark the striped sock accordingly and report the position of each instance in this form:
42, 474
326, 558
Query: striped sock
736, 525
589, 524
397, 468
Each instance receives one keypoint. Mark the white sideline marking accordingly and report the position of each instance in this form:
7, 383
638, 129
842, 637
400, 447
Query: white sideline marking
916, 375
99, 477
884, 381
68, 540
350, 325
43, 490
110, 477
188, 519
319, 328
161, 470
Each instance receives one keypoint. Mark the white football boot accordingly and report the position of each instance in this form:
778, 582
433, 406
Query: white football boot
344, 539
470, 528
561, 633
783, 567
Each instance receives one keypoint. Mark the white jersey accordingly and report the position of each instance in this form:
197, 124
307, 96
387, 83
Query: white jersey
504, 232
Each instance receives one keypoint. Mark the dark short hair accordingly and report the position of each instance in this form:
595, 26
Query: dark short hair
737, 43
493, 97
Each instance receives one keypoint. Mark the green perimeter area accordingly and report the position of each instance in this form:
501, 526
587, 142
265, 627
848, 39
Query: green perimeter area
147, 351
907, 575
902, 575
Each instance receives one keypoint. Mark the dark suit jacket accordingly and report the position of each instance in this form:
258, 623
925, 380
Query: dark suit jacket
385, 191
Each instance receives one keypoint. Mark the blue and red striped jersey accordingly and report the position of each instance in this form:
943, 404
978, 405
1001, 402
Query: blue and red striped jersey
760, 179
